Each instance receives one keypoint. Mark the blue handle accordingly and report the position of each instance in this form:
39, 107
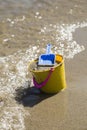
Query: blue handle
48, 49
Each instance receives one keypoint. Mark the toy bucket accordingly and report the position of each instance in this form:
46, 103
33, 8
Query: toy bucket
50, 80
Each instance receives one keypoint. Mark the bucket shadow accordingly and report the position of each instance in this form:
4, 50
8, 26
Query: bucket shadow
30, 96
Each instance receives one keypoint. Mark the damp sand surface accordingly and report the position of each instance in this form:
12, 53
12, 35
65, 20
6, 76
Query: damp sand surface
25, 29
67, 109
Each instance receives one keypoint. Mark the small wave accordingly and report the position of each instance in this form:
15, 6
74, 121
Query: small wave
14, 70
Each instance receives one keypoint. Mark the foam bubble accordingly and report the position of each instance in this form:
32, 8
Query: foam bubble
63, 38
10, 121
14, 69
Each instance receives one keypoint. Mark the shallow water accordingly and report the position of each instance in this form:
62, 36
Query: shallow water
25, 29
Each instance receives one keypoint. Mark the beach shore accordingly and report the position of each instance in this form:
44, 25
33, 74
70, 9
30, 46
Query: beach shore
25, 30
67, 109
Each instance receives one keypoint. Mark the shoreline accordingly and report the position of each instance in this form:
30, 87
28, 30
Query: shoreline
25, 29
67, 109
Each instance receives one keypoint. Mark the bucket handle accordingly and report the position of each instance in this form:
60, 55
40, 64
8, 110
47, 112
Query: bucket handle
44, 82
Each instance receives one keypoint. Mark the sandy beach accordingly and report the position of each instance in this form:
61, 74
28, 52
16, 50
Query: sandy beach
67, 109
25, 29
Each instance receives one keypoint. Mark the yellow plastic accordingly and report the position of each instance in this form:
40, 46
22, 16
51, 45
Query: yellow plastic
56, 82
59, 58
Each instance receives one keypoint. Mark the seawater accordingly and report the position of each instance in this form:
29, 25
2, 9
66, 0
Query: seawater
26, 28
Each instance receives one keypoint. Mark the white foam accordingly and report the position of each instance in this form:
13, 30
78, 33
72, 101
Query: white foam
14, 69
63, 38
12, 118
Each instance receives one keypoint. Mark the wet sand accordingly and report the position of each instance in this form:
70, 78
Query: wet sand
66, 110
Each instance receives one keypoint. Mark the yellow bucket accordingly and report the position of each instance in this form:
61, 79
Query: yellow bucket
52, 80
